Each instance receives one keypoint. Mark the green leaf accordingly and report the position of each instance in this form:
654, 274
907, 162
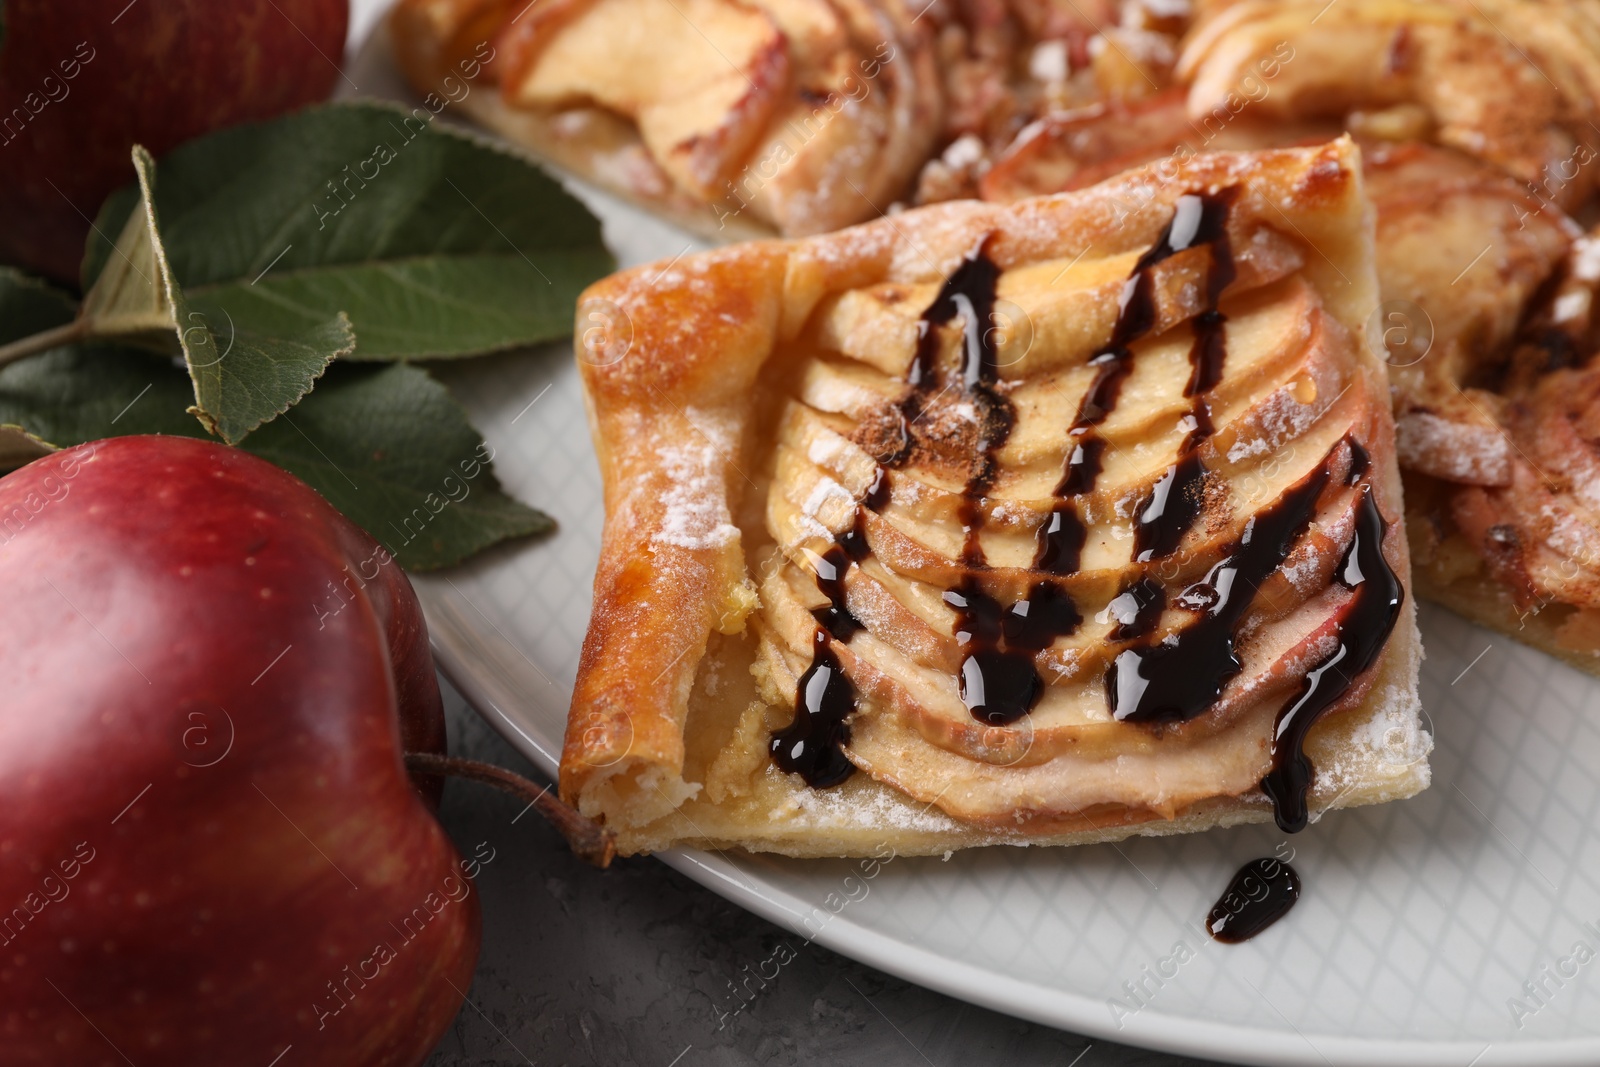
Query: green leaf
29, 305
87, 391
134, 296
387, 446
259, 366
390, 448
77, 392
435, 243
247, 364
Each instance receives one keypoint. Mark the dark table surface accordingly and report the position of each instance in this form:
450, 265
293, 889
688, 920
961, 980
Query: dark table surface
584, 968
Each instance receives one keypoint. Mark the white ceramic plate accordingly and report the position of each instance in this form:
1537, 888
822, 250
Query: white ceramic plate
1420, 921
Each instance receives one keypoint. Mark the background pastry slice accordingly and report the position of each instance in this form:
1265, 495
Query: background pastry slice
979, 524
733, 117
1482, 154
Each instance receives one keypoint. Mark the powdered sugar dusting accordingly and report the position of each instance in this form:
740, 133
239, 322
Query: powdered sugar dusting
1453, 450
877, 809
1392, 742
824, 449
824, 491
1281, 418
694, 505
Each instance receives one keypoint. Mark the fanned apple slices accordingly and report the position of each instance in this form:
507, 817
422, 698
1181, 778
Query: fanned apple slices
733, 116
1039, 524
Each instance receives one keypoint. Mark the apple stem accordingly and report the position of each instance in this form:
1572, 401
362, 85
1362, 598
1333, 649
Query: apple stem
43, 341
588, 839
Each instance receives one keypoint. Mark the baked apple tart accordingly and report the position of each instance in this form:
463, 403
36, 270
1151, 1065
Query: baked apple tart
1035, 524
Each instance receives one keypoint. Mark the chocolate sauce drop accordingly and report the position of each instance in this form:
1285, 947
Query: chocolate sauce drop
1137, 609
1364, 627
999, 684
1037, 620
813, 744
1061, 541
1261, 893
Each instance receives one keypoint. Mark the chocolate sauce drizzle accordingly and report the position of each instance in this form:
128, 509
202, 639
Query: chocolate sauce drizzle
831, 567
1181, 677
1360, 462
1174, 680
998, 683
1137, 609
813, 744
1174, 502
1170, 681
1261, 893
1364, 627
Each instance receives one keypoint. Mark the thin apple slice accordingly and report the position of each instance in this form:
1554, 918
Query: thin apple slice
1509, 100
1461, 250
861, 120
1023, 777
700, 78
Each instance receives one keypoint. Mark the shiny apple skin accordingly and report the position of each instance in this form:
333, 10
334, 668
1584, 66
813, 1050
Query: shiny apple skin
164, 597
161, 72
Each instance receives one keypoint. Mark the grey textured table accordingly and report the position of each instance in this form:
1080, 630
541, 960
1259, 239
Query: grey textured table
635, 965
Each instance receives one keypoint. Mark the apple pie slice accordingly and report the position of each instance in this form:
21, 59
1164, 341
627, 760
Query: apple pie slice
1048, 523
734, 117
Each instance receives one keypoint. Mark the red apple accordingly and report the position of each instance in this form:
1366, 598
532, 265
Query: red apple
82, 81
209, 847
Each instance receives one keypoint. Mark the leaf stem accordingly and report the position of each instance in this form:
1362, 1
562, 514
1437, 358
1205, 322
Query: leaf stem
43, 341
591, 842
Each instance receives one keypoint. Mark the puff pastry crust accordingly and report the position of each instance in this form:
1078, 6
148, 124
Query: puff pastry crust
1045, 523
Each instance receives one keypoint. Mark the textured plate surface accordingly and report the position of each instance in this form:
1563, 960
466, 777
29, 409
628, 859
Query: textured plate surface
1421, 921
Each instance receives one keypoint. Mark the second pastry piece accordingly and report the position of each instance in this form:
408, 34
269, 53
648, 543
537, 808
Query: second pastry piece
731, 116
